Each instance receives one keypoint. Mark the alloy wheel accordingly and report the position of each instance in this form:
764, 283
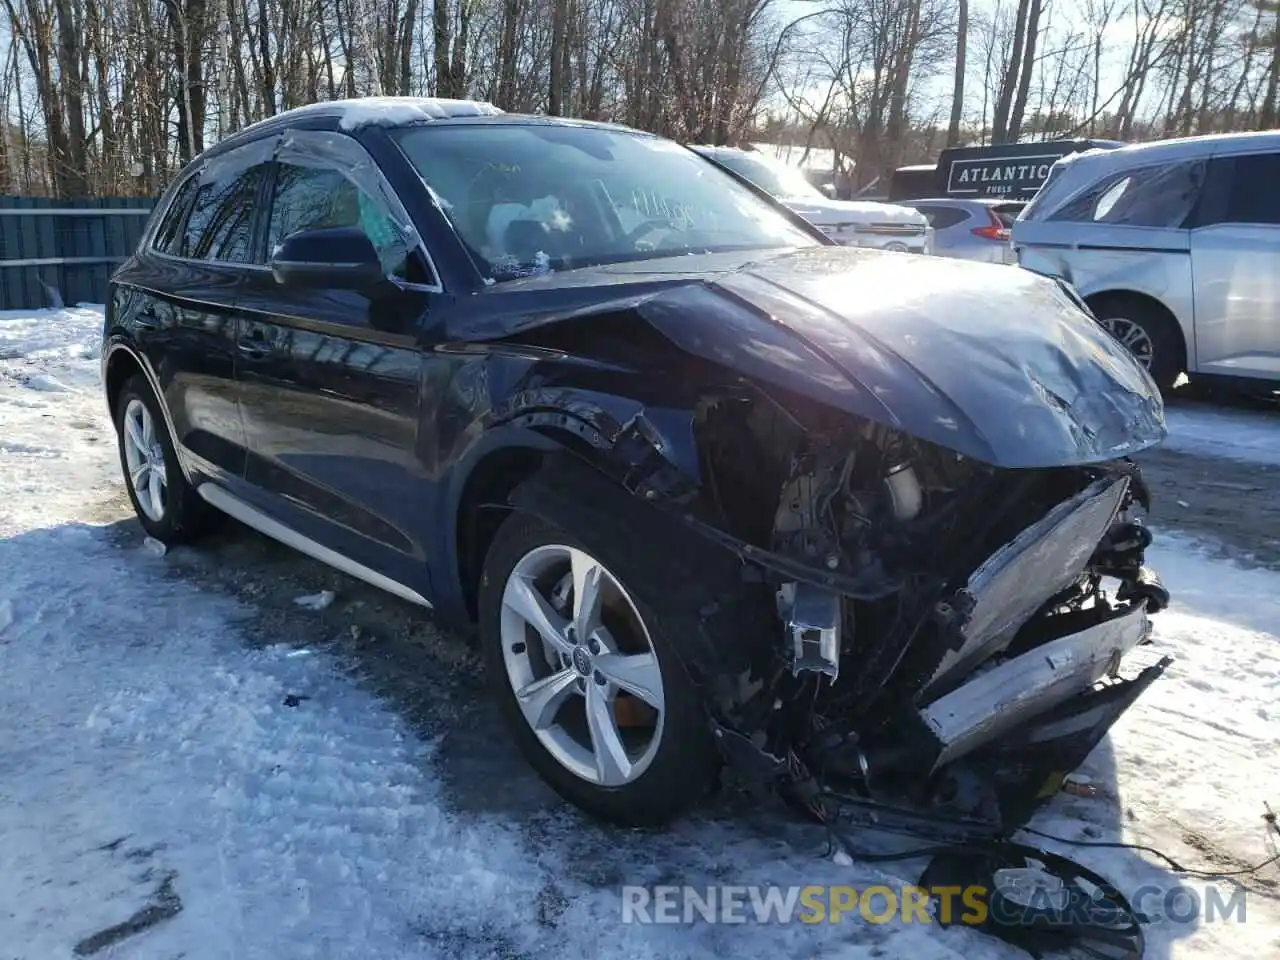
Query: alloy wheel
1135, 339
144, 460
581, 663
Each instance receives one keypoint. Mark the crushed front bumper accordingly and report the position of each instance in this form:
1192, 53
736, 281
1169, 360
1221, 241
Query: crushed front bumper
1024, 687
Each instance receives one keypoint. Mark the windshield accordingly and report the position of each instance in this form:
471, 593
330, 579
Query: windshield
531, 198
770, 176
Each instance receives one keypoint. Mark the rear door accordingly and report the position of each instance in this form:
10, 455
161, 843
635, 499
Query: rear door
1235, 253
185, 289
329, 378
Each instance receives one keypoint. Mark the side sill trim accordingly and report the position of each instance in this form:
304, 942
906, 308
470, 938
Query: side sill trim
250, 516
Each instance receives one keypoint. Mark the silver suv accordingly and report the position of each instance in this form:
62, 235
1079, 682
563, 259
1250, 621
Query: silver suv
1175, 245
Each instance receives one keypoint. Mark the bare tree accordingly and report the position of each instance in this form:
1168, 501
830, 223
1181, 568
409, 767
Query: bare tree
957, 94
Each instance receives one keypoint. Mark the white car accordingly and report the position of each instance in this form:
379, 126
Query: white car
853, 223
1174, 246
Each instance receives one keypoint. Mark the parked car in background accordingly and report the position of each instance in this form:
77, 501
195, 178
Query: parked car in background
709, 485
970, 229
1174, 245
853, 223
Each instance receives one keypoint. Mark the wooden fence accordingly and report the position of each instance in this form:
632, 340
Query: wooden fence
55, 252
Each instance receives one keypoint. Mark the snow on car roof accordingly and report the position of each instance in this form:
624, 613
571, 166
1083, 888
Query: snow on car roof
381, 111
393, 111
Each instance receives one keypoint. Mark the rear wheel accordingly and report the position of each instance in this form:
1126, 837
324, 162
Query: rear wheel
1146, 331
588, 682
168, 507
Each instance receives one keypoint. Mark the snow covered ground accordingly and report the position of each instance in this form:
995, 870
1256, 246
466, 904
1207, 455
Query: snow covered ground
1236, 434
168, 789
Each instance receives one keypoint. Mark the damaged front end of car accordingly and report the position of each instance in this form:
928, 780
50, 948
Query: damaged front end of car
924, 482
958, 637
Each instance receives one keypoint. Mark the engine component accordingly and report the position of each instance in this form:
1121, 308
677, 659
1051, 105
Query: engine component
811, 619
1147, 586
905, 493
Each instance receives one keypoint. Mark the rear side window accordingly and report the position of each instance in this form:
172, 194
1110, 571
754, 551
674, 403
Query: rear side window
942, 217
1155, 196
221, 223
1242, 190
175, 218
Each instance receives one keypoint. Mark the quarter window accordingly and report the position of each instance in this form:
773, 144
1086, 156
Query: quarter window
1156, 196
170, 231
1255, 189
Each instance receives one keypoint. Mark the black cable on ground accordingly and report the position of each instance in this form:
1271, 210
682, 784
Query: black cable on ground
1177, 867
987, 846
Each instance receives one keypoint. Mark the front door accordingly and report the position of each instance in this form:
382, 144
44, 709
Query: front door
1235, 252
329, 379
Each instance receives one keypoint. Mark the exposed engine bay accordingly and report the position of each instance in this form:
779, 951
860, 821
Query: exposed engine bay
963, 634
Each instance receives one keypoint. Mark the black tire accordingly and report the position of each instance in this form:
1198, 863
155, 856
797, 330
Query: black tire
186, 516
685, 764
1167, 358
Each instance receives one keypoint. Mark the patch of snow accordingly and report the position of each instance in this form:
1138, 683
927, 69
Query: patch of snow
1192, 764
315, 601
1221, 432
149, 753
394, 111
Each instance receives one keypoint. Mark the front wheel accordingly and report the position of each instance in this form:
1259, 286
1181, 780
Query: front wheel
1146, 332
588, 683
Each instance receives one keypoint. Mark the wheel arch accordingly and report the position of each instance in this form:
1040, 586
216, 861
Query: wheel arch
636, 449
121, 362
478, 504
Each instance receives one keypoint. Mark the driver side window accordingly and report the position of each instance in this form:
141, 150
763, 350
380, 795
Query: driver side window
308, 198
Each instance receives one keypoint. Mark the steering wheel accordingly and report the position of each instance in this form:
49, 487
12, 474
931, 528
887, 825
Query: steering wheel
638, 233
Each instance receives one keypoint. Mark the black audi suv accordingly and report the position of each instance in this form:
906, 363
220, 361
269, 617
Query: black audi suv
710, 487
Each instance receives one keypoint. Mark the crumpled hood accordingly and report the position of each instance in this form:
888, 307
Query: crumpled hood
831, 212
994, 362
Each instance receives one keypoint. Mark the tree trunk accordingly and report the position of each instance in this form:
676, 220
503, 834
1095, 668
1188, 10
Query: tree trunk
957, 93
1004, 102
442, 31
1267, 116
1014, 128
267, 86
559, 24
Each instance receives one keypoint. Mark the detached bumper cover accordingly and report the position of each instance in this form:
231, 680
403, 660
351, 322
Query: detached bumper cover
1025, 687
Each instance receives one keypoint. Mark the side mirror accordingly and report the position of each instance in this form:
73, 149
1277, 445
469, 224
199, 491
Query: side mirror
330, 258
